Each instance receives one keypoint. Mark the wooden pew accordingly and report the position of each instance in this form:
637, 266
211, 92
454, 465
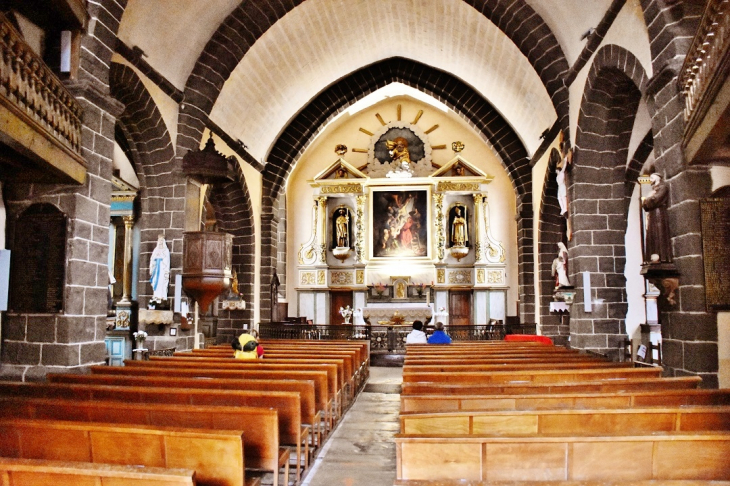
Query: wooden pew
626, 399
260, 426
542, 423
499, 359
531, 376
350, 367
599, 386
324, 398
215, 455
676, 455
333, 382
287, 404
458, 368
39, 472
305, 388
602, 482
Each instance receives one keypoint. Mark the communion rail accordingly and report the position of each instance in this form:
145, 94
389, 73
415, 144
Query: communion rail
383, 339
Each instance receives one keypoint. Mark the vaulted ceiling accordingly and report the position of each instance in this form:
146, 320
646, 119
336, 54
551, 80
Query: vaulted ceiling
509, 52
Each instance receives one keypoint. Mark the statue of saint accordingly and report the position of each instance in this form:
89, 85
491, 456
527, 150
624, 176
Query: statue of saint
342, 223
459, 235
398, 150
560, 267
400, 290
160, 269
658, 242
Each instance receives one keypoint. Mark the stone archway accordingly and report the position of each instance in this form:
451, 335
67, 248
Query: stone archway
599, 197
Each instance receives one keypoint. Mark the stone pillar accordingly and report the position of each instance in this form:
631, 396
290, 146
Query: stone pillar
439, 232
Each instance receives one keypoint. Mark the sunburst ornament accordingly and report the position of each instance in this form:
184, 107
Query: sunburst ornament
391, 140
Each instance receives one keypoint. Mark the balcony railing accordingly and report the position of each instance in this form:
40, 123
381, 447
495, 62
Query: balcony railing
36, 103
703, 69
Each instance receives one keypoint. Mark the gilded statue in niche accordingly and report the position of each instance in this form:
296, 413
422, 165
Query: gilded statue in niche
458, 229
342, 224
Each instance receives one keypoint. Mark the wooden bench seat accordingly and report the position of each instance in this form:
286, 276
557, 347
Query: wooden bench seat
603, 482
216, 455
333, 382
305, 389
39, 472
659, 456
259, 425
538, 423
530, 376
323, 398
349, 366
626, 399
287, 404
461, 367
500, 360
601, 386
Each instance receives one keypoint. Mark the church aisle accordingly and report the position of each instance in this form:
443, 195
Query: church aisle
361, 450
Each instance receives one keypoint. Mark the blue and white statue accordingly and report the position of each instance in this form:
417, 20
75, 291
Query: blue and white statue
160, 270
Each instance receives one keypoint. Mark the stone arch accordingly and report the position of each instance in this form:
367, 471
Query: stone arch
234, 214
551, 228
443, 86
599, 197
150, 142
641, 154
252, 18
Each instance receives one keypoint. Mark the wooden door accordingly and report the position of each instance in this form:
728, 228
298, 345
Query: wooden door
460, 308
339, 299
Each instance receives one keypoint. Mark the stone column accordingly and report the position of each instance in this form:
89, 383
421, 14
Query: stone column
439, 227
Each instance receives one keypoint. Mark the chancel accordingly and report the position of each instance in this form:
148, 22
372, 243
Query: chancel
196, 170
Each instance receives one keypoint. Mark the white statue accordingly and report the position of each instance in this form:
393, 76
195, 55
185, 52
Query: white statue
560, 267
160, 270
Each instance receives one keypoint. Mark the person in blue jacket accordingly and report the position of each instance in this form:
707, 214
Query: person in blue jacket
439, 336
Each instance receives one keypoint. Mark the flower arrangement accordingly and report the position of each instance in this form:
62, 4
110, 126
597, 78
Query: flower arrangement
139, 338
379, 288
420, 289
346, 313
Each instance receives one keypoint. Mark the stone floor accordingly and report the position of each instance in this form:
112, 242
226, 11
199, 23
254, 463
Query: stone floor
361, 451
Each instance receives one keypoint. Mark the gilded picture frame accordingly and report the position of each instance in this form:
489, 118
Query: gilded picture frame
400, 219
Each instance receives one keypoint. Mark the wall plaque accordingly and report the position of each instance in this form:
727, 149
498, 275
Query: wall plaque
716, 251
38, 260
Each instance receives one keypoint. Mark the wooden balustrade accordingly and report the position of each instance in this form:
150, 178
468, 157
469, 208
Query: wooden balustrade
34, 102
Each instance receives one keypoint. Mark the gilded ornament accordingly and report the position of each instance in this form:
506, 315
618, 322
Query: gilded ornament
457, 146
341, 189
441, 276
481, 276
457, 186
360, 277
340, 149
306, 278
321, 277
341, 278
460, 277
495, 277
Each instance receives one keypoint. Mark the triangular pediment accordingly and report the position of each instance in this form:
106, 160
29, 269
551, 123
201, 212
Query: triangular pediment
459, 167
340, 170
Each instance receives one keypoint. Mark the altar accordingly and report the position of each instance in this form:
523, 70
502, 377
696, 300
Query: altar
382, 314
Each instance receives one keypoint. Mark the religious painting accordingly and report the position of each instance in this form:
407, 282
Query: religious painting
399, 223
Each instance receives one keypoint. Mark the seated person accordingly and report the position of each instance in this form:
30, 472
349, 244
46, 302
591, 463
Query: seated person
245, 347
439, 336
416, 336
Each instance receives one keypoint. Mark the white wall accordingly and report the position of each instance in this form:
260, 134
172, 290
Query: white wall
345, 130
